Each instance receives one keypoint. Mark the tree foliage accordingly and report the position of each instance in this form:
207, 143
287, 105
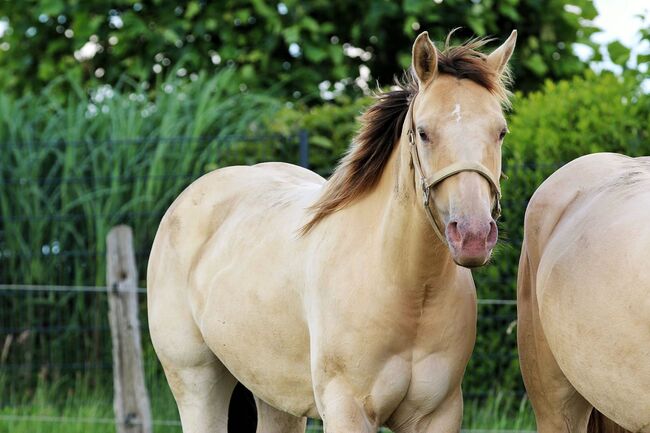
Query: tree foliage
293, 44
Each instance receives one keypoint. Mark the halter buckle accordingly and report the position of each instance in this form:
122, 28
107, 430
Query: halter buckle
496, 212
425, 191
411, 136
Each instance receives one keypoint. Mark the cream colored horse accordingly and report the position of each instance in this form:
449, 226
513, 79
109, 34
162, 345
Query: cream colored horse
336, 300
584, 296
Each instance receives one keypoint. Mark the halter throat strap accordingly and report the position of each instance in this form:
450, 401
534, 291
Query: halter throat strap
428, 183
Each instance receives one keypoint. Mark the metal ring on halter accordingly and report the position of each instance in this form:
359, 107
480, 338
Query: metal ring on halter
425, 191
428, 184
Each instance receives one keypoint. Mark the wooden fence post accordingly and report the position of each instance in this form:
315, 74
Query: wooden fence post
131, 400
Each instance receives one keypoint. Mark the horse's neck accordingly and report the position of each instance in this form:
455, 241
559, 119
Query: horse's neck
410, 250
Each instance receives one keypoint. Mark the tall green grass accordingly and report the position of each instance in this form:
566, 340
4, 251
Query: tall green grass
78, 407
60, 408
71, 169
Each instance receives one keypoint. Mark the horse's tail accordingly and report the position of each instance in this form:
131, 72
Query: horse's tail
599, 423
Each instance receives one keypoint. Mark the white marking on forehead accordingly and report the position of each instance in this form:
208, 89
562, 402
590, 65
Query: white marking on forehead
456, 113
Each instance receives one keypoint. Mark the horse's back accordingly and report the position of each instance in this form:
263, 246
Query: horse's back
586, 247
219, 261
217, 198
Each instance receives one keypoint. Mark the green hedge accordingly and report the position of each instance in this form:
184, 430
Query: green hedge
548, 128
330, 129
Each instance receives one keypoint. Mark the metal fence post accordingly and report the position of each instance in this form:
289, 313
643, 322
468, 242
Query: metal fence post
131, 400
303, 138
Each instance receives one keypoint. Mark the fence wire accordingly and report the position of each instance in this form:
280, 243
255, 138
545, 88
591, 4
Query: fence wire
66, 289
15, 332
78, 420
104, 289
311, 428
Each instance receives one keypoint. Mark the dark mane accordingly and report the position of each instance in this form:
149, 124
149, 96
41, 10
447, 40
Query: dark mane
381, 127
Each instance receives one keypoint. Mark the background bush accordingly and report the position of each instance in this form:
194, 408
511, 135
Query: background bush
549, 127
290, 45
330, 128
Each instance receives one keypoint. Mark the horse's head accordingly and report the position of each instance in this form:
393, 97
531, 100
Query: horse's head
455, 131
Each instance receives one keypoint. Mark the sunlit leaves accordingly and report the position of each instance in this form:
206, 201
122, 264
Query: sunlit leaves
618, 52
292, 43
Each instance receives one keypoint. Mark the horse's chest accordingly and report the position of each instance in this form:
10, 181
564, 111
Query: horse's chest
441, 349
407, 365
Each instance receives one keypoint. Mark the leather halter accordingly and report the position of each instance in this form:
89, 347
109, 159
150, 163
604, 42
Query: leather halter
428, 183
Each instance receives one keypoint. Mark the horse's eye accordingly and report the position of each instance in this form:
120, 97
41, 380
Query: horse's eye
503, 133
423, 135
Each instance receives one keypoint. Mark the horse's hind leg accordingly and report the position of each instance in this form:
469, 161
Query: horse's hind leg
559, 408
272, 420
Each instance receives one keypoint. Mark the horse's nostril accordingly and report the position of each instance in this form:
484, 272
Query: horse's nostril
493, 234
453, 233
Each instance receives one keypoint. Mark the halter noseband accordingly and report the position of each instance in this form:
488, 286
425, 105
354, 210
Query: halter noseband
428, 183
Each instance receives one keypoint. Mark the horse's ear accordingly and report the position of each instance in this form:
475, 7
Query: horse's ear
499, 57
425, 59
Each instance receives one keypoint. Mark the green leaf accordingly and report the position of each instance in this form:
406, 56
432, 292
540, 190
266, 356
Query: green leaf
320, 141
51, 8
477, 25
291, 34
509, 11
170, 35
193, 8
408, 25
589, 10
536, 64
404, 60
314, 53
247, 72
413, 6
618, 53
310, 24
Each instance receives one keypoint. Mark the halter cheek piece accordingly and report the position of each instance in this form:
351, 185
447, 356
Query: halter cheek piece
428, 183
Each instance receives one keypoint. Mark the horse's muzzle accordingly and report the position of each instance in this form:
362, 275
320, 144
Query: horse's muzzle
471, 241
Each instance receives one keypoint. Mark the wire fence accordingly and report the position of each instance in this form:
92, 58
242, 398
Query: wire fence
103, 289
312, 427
11, 337
54, 327
27, 341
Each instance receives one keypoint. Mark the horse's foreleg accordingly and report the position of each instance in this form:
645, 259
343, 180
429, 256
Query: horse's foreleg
341, 412
202, 394
200, 383
272, 420
445, 418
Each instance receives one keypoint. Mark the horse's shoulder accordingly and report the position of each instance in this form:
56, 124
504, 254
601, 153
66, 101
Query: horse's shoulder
216, 195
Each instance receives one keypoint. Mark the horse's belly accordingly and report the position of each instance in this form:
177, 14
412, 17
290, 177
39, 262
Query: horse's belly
261, 337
